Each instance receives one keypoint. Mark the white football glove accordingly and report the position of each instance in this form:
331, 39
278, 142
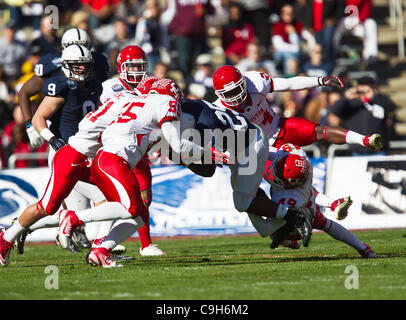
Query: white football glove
35, 139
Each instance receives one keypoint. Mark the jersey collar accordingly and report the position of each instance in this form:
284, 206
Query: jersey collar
125, 84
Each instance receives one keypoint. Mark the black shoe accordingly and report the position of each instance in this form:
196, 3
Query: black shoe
20, 241
80, 239
291, 218
304, 225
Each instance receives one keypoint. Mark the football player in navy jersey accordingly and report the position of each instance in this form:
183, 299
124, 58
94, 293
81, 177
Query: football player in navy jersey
49, 66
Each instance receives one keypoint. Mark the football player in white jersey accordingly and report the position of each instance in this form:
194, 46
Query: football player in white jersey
70, 164
132, 66
291, 176
247, 94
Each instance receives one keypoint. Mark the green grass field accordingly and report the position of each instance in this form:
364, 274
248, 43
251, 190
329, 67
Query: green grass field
217, 268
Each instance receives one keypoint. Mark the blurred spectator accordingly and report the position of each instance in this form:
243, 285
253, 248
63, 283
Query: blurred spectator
130, 10
319, 107
19, 143
257, 12
286, 37
12, 53
48, 41
66, 9
254, 60
120, 41
101, 11
364, 110
290, 106
80, 19
315, 66
188, 29
160, 70
27, 71
236, 35
5, 101
321, 19
26, 14
149, 34
360, 24
17, 118
204, 71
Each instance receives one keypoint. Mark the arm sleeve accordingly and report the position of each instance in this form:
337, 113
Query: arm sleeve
182, 146
295, 83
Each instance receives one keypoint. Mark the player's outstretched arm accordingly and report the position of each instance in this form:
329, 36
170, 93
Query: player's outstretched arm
342, 136
29, 89
301, 83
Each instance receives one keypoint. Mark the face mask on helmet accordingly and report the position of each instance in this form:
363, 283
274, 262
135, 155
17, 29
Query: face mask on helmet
290, 171
233, 94
77, 62
133, 72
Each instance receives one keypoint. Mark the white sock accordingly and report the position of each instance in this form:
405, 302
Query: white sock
352, 137
104, 229
46, 222
324, 200
13, 232
121, 231
106, 211
338, 232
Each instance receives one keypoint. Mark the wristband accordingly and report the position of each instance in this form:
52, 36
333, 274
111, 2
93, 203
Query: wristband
46, 134
28, 123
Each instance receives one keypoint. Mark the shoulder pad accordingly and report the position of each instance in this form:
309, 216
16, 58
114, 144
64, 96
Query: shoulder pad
58, 86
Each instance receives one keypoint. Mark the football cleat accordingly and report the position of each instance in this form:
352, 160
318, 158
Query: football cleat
373, 142
101, 257
121, 258
68, 223
340, 207
305, 224
5, 248
80, 239
151, 250
367, 253
20, 241
118, 250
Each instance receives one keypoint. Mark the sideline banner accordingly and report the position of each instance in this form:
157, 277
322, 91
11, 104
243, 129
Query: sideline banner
182, 202
377, 185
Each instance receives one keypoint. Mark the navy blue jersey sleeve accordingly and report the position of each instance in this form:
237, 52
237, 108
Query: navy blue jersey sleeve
101, 67
48, 65
56, 86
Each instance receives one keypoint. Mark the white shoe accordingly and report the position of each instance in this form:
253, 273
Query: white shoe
152, 250
68, 223
101, 257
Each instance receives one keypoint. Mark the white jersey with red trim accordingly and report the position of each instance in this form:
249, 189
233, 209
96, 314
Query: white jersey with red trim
88, 138
257, 110
128, 135
112, 86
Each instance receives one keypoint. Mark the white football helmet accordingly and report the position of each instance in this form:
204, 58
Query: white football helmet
76, 36
77, 62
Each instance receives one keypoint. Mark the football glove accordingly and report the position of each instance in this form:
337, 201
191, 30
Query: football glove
35, 139
56, 143
331, 81
373, 142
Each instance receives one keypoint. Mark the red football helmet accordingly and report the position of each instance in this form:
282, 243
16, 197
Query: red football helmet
290, 171
132, 64
145, 85
169, 87
230, 86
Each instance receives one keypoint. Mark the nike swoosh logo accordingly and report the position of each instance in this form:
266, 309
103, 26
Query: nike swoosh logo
75, 164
